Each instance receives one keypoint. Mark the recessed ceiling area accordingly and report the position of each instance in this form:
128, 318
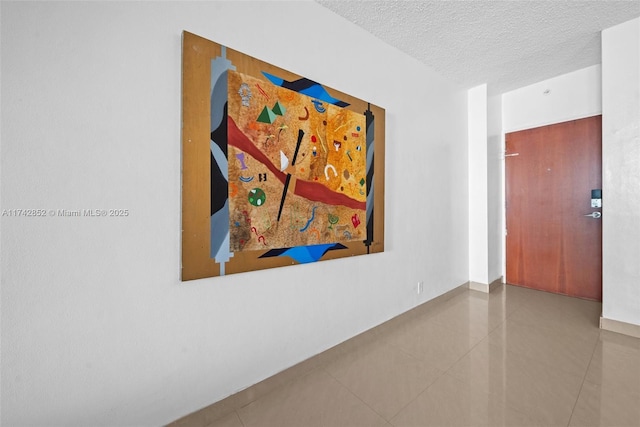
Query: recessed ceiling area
506, 44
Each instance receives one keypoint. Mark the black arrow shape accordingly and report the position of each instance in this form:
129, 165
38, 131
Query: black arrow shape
286, 182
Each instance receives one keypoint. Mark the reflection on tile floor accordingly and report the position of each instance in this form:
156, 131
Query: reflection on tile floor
515, 357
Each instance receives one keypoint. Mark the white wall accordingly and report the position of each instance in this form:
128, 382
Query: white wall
97, 329
495, 189
485, 188
567, 97
621, 172
478, 213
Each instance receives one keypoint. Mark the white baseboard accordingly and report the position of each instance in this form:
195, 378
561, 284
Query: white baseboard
620, 327
484, 287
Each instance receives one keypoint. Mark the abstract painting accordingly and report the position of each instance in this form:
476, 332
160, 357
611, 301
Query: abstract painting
277, 169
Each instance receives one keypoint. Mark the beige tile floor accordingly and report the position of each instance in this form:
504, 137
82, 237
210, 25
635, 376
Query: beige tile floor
515, 357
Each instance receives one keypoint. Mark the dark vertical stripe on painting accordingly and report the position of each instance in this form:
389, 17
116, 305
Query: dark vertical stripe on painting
219, 186
370, 125
219, 134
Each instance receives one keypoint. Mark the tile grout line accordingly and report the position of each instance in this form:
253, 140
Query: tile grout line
442, 373
584, 378
354, 394
239, 417
505, 403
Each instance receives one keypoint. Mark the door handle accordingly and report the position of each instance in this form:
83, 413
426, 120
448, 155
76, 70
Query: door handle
594, 214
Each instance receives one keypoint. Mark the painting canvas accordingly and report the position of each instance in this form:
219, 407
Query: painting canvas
277, 168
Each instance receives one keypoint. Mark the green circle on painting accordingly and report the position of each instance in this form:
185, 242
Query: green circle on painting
257, 197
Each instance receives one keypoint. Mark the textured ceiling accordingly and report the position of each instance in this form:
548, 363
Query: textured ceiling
507, 44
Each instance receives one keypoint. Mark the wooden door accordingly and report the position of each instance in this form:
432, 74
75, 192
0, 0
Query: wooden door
550, 171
